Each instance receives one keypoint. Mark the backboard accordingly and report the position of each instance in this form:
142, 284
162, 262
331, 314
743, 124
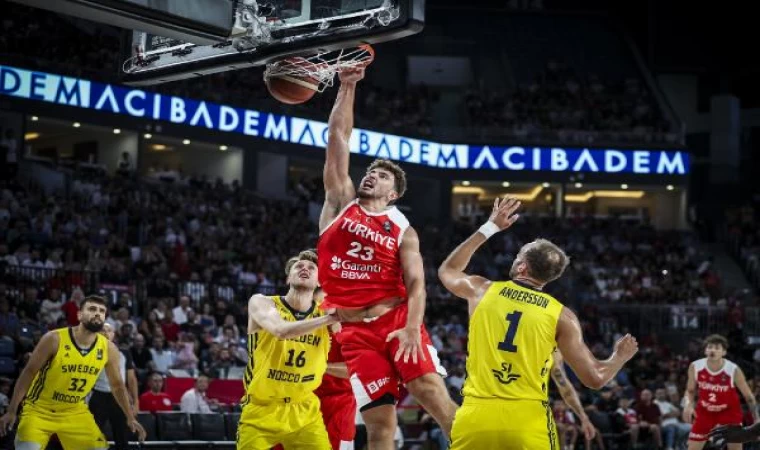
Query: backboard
269, 30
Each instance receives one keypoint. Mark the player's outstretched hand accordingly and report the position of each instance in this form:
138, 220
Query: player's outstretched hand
7, 421
626, 347
137, 428
503, 212
588, 429
731, 434
351, 75
410, 344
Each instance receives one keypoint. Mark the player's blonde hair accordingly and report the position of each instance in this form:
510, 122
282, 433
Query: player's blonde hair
306, 255
546, 261
399, 176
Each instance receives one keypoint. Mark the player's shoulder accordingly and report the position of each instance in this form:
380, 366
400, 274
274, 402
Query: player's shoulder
699, 363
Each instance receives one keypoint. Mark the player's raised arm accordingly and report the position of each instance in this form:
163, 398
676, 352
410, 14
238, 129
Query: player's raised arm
452, 274
688, 395
339, 189
43, 352
119, 391
592, 372
741, 383
570, 395
263, 312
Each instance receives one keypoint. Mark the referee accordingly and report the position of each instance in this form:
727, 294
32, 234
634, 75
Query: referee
102, 403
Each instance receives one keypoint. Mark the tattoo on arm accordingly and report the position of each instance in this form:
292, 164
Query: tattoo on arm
559, 377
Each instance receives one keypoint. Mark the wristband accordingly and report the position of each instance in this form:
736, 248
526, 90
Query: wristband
489, 229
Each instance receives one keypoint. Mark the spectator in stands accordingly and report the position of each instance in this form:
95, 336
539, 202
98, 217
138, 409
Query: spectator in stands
649, 416
142, 358
674, 431
180, 311
629, 418
71, 307
195, 400
154, 399
224, 363
162, 355
50, 309
186, 358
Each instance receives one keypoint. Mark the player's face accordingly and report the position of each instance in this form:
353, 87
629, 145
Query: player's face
303, 274
715, 352
378, 183
92, 316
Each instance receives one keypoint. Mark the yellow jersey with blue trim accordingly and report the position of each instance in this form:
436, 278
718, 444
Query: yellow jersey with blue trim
511, 342
286, 369
65, 380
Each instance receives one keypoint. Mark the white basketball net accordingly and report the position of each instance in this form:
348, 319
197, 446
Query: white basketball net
321, 67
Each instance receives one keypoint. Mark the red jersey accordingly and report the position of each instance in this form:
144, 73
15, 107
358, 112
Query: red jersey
716, 390
155, 402
359, 258
333, 385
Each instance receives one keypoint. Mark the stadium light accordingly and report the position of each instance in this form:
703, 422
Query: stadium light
116, 131
35, 118
76, 124
186, 141
223, 148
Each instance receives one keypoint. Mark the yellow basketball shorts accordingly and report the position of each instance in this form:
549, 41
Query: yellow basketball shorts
505, 425
76, 429
294, 425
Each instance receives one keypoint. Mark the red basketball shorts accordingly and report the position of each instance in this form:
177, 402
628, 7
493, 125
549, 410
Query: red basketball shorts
339, 413
370, 359
705, 421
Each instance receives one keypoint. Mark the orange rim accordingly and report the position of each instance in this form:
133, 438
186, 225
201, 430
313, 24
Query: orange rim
368, 48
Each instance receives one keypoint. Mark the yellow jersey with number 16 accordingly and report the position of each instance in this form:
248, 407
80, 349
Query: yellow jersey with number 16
286, 369
511, 341
65, 380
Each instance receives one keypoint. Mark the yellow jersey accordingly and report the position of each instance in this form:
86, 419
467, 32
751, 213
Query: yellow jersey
65, 380
286, 370
511, 341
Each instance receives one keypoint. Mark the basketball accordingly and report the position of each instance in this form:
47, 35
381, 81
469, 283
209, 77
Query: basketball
292, 89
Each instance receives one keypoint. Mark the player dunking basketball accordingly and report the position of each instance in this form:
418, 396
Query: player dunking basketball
715, 380
514, 330
370, 269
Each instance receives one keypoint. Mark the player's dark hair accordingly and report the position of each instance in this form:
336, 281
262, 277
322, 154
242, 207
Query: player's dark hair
546, 261
306, 255
399, 176
717, 340
94, 299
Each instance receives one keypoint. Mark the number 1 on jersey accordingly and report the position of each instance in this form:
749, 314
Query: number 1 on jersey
508, 344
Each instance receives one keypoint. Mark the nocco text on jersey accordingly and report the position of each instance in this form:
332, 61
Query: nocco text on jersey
365, 232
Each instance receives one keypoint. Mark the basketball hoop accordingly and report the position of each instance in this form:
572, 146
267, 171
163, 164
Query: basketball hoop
321, 67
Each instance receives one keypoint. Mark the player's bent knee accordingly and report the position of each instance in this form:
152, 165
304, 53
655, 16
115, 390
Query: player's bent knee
386, 399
